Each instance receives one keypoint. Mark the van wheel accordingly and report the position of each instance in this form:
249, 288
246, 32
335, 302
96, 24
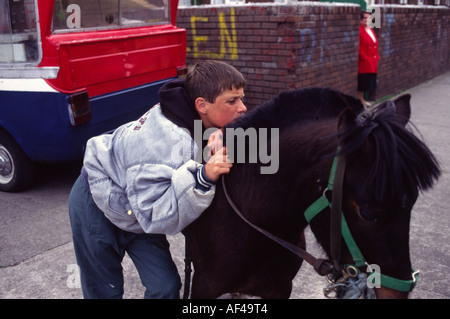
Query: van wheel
17, 171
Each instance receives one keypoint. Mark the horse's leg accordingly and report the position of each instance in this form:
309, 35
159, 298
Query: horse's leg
279, 292
282, 287
201, 289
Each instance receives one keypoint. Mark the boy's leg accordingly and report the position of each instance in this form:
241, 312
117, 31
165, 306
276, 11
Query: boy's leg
151, 256
98, 254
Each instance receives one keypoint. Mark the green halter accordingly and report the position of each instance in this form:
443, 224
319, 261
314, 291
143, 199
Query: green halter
358, 258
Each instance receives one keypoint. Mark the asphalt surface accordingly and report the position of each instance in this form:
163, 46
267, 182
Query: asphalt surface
36, 253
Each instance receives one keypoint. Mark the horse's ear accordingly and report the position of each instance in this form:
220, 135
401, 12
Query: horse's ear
347, 118
403, 108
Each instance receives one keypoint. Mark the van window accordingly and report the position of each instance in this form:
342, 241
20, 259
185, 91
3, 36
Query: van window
18, 32
77, 15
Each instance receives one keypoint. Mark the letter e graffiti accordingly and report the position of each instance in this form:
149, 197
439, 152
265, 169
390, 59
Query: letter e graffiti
73, 281
374, 279
74, 19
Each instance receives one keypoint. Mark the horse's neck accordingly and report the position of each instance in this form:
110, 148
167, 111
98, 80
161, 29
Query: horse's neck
305, 156
295, 107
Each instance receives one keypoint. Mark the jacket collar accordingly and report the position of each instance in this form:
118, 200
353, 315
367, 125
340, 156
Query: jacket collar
177, 106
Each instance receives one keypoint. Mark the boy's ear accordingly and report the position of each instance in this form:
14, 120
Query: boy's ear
200, 105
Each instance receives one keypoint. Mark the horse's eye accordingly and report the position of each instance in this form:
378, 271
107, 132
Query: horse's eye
370, 213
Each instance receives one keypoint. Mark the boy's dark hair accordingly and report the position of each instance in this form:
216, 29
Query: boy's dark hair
209, 79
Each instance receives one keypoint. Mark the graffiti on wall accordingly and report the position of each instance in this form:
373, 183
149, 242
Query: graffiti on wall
308, 41
223, 44
228, 39
387, 47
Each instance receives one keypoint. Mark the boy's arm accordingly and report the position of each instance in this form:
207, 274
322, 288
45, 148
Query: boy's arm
166, 200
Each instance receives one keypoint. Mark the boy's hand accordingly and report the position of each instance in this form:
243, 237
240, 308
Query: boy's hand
217, 165
215, 142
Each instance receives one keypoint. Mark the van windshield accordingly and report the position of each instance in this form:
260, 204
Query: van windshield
78, 15
18, 33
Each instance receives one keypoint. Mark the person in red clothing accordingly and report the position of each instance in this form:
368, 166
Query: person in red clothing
368, 58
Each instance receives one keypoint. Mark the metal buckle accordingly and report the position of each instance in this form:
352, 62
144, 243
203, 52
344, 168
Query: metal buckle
349, 271
324, 194
330, 289
324, 267
414, 275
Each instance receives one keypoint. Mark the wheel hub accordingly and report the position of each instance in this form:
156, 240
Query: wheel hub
6, 164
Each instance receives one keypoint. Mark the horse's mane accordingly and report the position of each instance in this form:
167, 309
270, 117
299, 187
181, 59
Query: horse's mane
401, 160
296, 107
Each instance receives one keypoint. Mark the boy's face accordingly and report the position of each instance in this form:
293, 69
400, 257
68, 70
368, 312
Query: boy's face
226, 107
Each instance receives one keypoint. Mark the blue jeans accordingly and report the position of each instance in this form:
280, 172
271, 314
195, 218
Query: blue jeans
100, 247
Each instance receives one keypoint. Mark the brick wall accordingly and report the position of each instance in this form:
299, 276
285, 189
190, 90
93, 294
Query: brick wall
279, 47
414, 46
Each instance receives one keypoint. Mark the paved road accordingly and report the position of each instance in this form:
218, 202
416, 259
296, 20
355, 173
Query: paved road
36, 253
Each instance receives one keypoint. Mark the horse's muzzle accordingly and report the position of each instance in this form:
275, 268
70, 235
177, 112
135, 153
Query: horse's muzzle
386, 293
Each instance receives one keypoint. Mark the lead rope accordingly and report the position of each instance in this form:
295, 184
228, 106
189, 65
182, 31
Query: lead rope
187, 266
321, 266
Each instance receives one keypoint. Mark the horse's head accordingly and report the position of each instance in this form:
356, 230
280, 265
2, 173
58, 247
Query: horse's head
386, 167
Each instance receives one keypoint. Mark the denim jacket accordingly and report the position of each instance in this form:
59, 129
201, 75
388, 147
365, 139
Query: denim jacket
143, 176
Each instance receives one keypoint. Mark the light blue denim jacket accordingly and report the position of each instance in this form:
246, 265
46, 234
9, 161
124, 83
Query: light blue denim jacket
142, 176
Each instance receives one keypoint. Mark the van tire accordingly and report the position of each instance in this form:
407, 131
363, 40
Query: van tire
17, 171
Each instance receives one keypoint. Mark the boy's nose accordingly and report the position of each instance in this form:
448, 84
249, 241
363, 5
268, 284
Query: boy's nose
242, 108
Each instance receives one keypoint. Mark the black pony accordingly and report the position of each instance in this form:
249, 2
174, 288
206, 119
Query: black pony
387, 165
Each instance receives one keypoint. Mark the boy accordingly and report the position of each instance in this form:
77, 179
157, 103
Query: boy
135, 186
